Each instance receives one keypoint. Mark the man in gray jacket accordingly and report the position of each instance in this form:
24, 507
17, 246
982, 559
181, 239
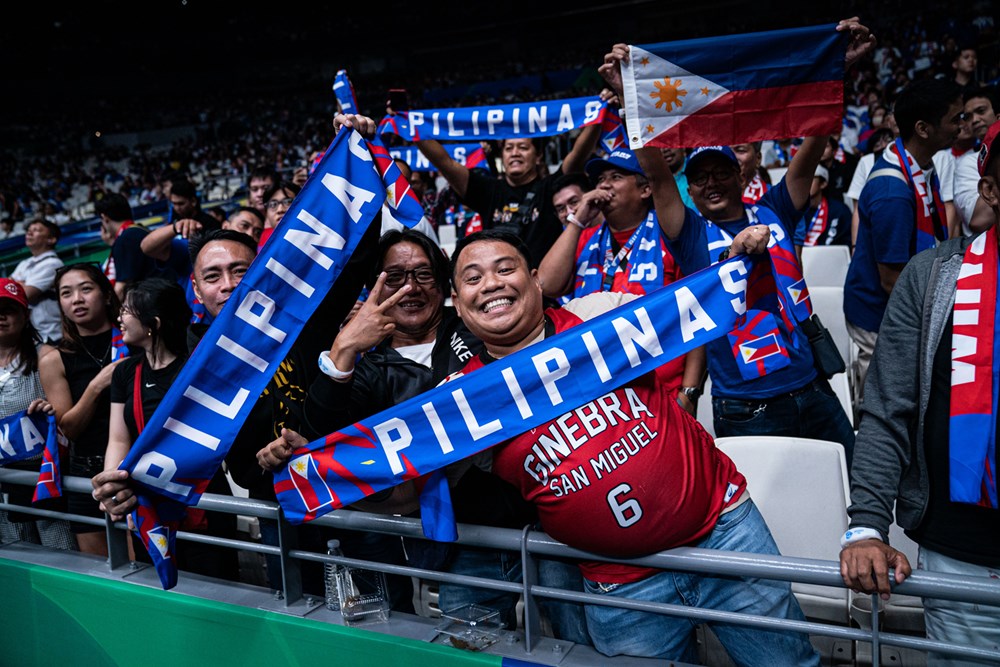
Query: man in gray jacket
904, 453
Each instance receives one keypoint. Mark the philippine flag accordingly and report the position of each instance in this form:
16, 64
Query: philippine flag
309, 483
757, 346
735, 89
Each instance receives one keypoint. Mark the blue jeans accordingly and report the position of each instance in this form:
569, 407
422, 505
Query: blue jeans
811, 412
618, 631
958, 623
567, 618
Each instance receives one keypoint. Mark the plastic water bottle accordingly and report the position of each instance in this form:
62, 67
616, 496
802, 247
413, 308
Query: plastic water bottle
330, 578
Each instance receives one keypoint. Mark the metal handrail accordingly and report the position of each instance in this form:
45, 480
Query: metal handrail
530, 543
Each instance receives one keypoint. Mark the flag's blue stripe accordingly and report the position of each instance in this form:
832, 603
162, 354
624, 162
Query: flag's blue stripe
762, 59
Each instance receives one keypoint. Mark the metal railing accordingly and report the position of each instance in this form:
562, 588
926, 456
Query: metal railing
532, 543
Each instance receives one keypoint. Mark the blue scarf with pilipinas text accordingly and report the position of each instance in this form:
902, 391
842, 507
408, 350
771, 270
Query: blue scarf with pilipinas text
512, 395
502, 121
23, 437
188, 436
641, 257
759, 340
472, 156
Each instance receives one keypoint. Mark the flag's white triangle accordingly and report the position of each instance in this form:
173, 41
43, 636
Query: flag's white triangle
659, 94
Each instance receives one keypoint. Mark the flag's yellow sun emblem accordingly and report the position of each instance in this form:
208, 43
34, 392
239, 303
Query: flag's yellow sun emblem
668, 93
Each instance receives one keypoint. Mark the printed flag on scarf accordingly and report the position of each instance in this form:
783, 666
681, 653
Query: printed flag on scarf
399, 196
735, 89
343, 90
49, 483
473, 412
612, 131
189, 434
758, 345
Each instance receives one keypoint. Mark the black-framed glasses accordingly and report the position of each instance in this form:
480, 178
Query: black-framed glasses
397, 278
275, 203
720, 176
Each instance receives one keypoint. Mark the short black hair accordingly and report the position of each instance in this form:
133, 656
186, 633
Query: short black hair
251, 210
437, 256
157, 297
992, 93
489, 235
924, 100
278, 187
199, 241
115, 206
566, 180
184, 188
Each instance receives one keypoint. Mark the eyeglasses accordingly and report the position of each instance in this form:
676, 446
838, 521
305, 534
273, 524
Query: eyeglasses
398, 278
720, 176
274, 204
962, 117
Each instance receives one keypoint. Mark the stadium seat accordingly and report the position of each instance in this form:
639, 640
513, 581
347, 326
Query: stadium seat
828, 303
825, 266
800, 486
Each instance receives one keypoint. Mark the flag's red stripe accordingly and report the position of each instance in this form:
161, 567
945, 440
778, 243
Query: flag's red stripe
803, 110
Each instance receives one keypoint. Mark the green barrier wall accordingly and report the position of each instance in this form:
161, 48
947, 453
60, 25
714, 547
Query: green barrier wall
51, 617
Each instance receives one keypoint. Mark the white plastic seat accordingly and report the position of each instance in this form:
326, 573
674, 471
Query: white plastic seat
825, 266
828, 303
800, 486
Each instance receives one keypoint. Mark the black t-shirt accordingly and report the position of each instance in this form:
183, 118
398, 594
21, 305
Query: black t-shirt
958, 530
153, 384
80, 370
526, 210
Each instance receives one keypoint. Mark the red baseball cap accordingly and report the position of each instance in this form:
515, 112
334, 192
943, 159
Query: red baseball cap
11, 289
990, 147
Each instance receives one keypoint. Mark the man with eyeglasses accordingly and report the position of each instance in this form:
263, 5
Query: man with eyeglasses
900, 211
277, 200
790, 401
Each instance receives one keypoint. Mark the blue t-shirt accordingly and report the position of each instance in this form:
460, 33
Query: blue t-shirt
886, 227
692, 253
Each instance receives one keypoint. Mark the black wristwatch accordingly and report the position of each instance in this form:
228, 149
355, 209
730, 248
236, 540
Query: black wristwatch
723, 256
693, 393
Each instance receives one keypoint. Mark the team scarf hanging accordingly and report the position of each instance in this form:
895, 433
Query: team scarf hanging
343, 90
756, 189
49, 483
514, 394
641, 257
613, 134
753, 335
972, 452
23, 437
188, 436
472, 156
502, 121
819, 223
930, 209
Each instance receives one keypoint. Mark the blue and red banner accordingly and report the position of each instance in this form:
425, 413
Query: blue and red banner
512, 395
471, 155
49, 483
501, 121
188, 436
23, 437
735, 89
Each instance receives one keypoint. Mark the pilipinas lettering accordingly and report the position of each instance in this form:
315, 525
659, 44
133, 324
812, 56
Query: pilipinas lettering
510, 120
208, 412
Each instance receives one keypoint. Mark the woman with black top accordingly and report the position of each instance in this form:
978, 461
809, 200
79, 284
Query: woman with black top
77, 381
153, 320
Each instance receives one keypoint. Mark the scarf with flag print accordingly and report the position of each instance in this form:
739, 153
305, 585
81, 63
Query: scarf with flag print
931, 216
21, 436
819, 223
761, 334
641, 257
510, 396
975, 376
188, 436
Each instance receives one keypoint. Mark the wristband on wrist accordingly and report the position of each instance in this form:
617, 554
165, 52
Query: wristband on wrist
174, 224
571, 219
857, 534
327, 366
